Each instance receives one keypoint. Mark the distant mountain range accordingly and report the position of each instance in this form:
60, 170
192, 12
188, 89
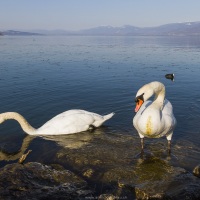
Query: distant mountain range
174, 29
18, 33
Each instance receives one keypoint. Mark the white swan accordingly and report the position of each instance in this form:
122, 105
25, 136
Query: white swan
71, 121
154, 119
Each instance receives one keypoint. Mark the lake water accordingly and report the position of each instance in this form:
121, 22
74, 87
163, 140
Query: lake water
41, 77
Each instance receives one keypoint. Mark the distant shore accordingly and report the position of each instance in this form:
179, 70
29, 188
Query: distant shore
173, 29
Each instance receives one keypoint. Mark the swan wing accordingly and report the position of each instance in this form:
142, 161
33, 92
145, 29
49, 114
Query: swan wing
167, 108
168, 116
66, 123
72, 121
98, 119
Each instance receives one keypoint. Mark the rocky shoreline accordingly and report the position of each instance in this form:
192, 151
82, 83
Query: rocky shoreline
38, 181
102, 167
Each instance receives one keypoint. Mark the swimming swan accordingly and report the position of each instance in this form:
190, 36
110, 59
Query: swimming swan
153, 119
71, 121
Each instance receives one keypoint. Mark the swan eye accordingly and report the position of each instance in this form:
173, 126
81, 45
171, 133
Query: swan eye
140, 97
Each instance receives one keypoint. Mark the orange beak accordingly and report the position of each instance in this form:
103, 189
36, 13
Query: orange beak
138, 104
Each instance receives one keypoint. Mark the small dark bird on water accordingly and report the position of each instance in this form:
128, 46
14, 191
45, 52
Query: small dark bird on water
170, 76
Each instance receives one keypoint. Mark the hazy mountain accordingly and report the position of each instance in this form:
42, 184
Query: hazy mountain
174, 29
192, 28
53, 32
18, 33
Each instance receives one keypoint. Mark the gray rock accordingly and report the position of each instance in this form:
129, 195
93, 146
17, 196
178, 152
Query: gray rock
196, 171
38, 181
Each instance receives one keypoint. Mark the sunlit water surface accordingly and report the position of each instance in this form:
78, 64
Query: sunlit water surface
41, 77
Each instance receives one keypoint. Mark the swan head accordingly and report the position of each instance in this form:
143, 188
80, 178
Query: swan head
143, 94
139, 100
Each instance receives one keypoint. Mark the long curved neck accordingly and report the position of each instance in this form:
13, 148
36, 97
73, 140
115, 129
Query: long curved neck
21, 120
159, 91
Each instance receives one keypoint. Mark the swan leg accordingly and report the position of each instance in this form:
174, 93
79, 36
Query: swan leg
142, 144
169, 138
141, 154
169, 147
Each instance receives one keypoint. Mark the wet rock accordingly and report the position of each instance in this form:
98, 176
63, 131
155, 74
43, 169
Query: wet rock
154, 178
196, 171
38, 181
158, 180
113, 167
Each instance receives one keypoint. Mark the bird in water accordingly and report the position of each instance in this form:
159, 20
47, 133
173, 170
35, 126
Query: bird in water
170, 76
68, 122
153, 119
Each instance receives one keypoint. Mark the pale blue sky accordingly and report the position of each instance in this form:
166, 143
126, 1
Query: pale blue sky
81, 14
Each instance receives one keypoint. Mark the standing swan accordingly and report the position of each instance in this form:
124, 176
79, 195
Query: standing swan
71, 121
153, 119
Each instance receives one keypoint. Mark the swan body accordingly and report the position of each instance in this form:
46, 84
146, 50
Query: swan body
154, 119
68, 122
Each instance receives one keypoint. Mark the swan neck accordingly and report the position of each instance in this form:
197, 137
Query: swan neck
159, 91
21, 120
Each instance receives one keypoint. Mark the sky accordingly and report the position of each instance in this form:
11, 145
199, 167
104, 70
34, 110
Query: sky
84, 14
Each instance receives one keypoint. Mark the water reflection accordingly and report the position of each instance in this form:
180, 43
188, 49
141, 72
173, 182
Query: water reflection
70, 141
113, 148
6, 156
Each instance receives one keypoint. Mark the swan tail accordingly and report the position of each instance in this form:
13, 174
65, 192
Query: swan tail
101, 120
107, 117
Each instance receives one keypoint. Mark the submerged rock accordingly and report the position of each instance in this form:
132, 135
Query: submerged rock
180, 184
153, 178
159, 180
114, 168
38, 181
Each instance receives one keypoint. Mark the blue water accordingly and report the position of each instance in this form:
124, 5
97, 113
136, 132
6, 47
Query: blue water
42, 76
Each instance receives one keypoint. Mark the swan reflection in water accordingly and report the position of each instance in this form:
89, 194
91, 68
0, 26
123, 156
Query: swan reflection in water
69, 141
6, 156
72, 141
